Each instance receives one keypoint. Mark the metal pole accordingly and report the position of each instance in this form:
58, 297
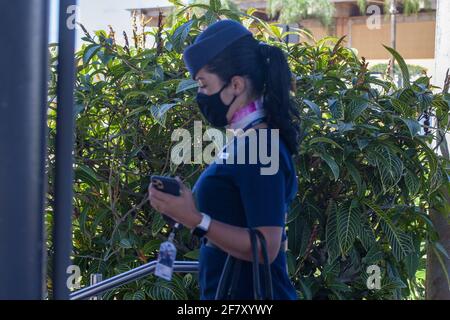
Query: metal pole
129, 276
23, 109
62, 228
96, 278
393, 12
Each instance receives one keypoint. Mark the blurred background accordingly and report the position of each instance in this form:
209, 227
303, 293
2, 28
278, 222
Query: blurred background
415, 23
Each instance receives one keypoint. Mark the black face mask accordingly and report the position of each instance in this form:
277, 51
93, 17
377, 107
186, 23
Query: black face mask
213, 108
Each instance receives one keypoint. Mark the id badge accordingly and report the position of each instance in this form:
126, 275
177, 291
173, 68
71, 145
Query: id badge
166, 258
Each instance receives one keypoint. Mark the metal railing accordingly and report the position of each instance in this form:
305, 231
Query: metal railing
129, 276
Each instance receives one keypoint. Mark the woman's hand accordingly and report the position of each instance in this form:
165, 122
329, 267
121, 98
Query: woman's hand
180, 208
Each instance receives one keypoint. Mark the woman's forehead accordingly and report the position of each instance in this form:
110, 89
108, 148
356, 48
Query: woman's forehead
203, 75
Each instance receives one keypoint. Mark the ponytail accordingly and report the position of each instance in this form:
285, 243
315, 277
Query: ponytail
277, 100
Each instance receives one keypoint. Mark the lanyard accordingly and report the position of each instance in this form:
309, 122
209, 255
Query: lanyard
254, 123
255, 120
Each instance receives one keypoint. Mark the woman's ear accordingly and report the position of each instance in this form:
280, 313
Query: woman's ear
239, 84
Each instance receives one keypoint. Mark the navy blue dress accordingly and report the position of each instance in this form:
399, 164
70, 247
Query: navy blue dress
240, 195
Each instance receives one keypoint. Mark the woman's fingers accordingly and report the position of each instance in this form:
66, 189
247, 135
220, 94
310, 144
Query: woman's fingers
180, 183
155, 193
157, 204
183, 187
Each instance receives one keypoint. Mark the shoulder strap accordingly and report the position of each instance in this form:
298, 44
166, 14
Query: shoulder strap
267, 271
222, 290
255, 264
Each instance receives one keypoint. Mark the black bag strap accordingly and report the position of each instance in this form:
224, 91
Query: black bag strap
234, 281
221, 293
256, 279
267, 270
227, 287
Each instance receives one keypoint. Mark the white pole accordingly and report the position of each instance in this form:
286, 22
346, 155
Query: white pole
442, 49
437, 287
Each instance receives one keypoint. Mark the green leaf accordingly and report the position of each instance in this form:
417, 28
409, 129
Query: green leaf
345, 126
138, 93
331, 270
165, 290
402, 108
125, 243
136, 111
412, 182
355, 108
324, 140
314, 107
400, 242
215, 5
411, 263
276, 30
193, 254
139, 295
331, 163
413, 126
336, 109
366, 235
151, 246
186, 84
355, 175
157, 224
162, 291
159, 112
373, 256
290, 261
90, 52
299, 234
78, 108
362, 143
434, 176
180, 34
331, 238
436, 180
87, 175
348, 225
306, 288
392, 284
100, 216
187, 280
402, 64
389, 166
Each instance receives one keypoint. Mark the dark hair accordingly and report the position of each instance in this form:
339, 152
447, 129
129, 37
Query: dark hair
268, 71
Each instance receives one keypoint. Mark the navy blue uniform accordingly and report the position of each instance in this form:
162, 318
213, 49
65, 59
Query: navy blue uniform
238, 194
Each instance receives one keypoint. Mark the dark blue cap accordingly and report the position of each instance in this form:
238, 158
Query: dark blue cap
211, 42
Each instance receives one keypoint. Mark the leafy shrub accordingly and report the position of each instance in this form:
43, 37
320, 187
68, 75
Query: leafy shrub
367, 175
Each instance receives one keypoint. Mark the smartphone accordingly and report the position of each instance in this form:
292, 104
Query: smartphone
171, 186
166, 184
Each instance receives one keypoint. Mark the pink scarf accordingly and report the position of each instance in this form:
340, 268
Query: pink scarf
241, 114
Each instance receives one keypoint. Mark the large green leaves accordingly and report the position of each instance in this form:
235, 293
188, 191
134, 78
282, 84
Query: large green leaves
402, 64
360, 140
400, 242
348, 222
331, 162
389, 165
331, 234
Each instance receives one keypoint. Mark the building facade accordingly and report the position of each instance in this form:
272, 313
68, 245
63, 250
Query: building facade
366, 32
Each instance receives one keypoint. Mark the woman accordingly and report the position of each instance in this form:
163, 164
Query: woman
243, 84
